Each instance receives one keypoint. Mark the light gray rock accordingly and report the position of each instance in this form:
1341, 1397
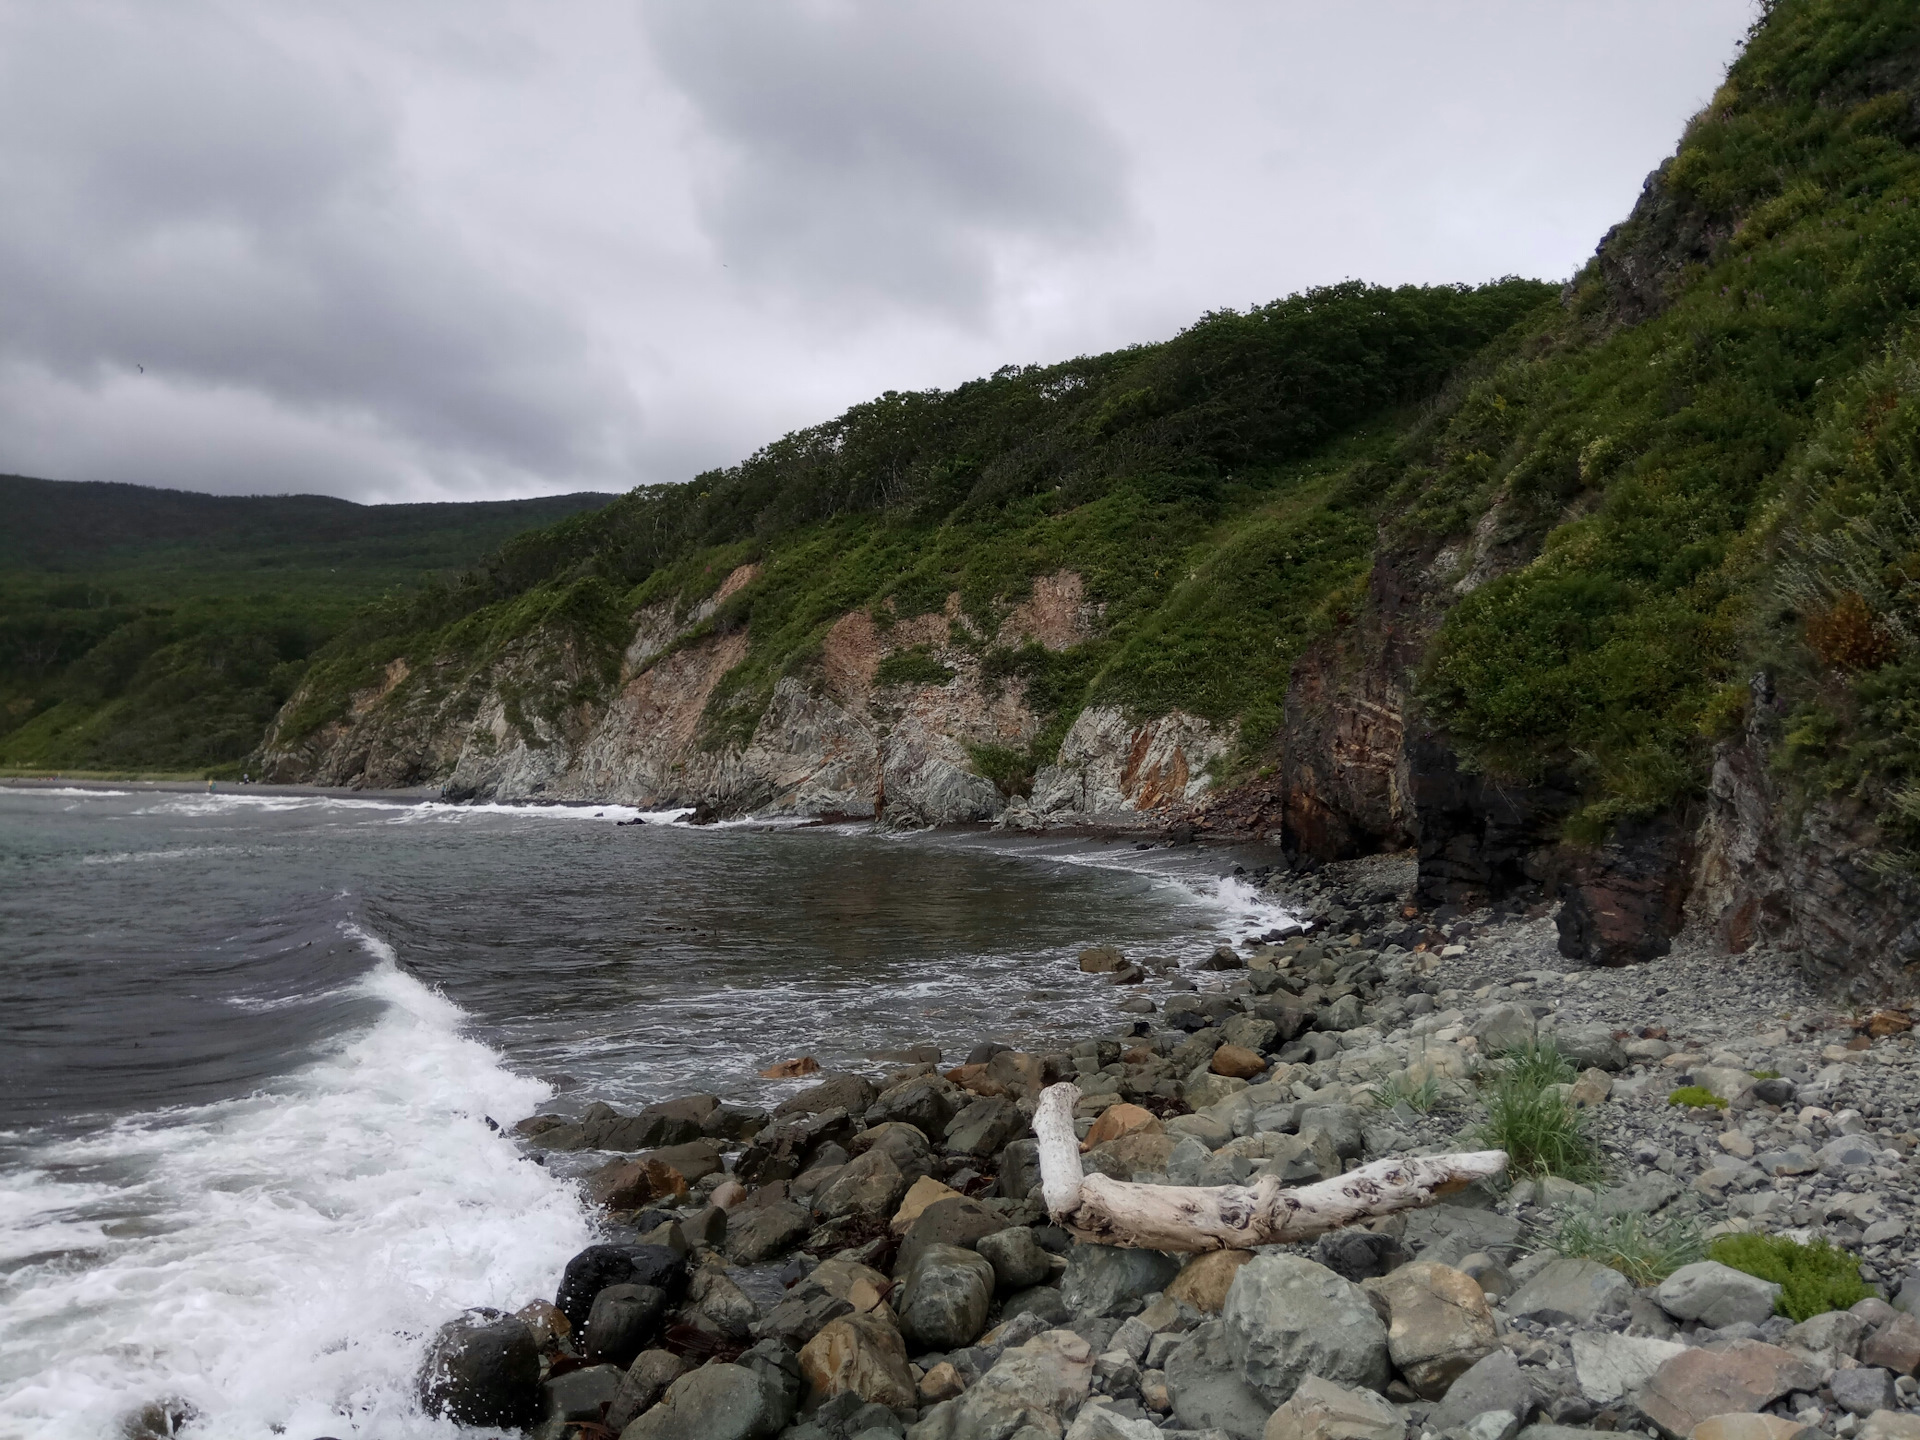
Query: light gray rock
945, 1300
1832, 1335
1641, 1195
1286, 1317
1450, 1233
1864, 1390
1571, 1290
715, 1402
1031, 1389
1344, 1125
1716, 1295
1590, 1046
1205, 1385
1504, 1027
1494, 1385
1609, 1366
1103, 1279
645, 1382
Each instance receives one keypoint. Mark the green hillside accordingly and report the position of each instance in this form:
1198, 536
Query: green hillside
146, 629
1699, 461
1216, 492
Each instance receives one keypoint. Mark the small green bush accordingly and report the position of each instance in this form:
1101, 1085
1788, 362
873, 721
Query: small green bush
1696, 1097
1536, 1064
1764, 1074
1644, 1249
1813, 1278
1541, 1133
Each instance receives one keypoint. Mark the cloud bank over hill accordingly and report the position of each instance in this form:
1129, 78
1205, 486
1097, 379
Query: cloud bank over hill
432, 252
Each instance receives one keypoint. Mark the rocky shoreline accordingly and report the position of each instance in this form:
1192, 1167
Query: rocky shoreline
870, 1257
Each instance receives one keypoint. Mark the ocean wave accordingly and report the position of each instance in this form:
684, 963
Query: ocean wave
296, 1248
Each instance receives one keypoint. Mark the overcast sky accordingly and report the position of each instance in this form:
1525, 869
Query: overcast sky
474, 248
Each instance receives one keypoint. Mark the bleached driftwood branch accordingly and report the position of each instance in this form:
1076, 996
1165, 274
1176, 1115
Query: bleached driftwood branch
1230, 1217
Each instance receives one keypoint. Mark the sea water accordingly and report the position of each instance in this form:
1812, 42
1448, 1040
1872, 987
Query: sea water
258, 1054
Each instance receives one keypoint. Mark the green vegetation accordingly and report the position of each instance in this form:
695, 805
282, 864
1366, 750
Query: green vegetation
1529, 1119
1218, 495
1601, 512
1534, 1065
1400, 1088
1813, 1278
1729, 483
158, 631
1696, 1097
1644, 1248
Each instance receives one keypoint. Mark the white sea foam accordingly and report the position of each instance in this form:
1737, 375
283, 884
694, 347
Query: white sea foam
1239, 909
292, 1251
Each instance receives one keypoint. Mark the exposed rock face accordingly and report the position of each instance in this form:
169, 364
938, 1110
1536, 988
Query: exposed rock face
842, 741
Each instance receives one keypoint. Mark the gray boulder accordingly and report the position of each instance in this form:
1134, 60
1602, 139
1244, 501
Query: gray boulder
1590, 1046
1716, 1295
1863, 1391
928, 1103
838, 1092
1502, 1028
760, 1232
1577, 1291
1494, 1384
715, 1402
1344, 1125
1017, 1259
984, 1127
623, 1319
482, 1369
1287, 1317
1042, 1301
1019, 1169
1608, 1366
1205, 1385
867, 1187
584, 1394
644, 1383
1104, 1279
945, 1300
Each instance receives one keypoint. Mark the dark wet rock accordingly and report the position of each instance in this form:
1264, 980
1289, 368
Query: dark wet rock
868, 1187
838, 1092
1360, 1254
802, 1313
599, 1266
1042, 1300
760, 1232
926, 1102
735, 1122
945, 1298
715, 1402
622, 1321
1017, 1259
1019, 1169
585, 1394
953, 1221
984, 1127
647, 1378
1106, 1279
482, 1369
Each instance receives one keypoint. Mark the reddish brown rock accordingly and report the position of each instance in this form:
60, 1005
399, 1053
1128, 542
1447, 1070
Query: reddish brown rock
1118, 1120
1701, 1384
1237, 1062
792, 1069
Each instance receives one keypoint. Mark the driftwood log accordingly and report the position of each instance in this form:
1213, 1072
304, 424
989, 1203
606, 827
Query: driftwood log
1230, 1217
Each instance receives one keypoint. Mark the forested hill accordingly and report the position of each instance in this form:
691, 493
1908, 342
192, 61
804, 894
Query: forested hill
1608, 592
149, 629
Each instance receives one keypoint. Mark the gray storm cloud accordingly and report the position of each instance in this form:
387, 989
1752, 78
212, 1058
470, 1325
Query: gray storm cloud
189, 199
884, 149
441, 250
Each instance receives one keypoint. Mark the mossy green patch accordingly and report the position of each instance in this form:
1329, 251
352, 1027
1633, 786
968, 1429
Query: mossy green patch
1696, 1097
1814, 1278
